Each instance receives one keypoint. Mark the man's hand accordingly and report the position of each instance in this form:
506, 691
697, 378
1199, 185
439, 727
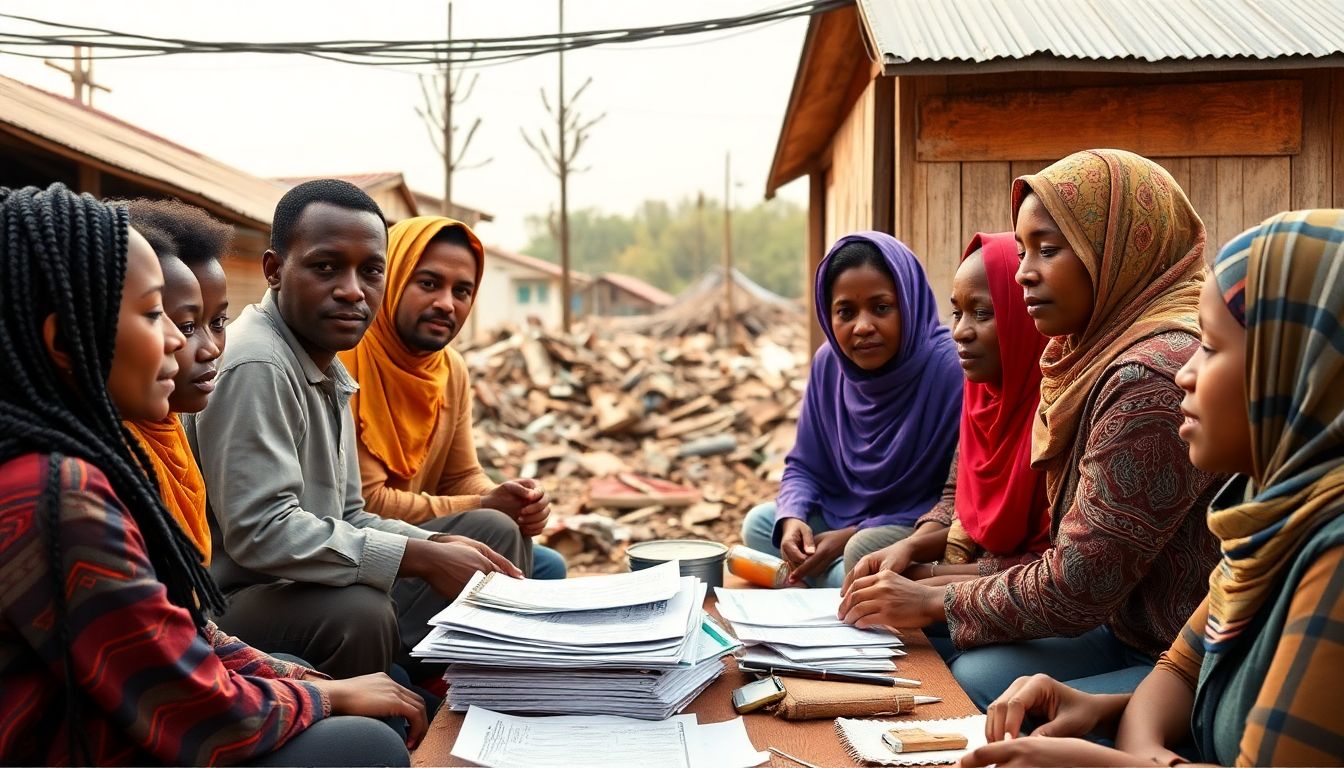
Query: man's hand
447, 562
895, 558
886, 599
524, 500
376, 695
1066, 711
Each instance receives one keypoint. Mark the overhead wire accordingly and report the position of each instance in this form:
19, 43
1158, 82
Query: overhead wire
109, 43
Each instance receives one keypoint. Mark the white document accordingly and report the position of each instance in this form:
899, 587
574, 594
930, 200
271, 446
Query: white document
780, 607
615, 590
598, 741
863, 738
812, 637
661, 620
815, 655
761, 656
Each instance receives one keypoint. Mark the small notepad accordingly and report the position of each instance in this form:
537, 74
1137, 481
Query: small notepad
863, 739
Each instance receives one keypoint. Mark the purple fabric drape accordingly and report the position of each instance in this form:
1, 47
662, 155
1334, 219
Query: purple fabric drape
874, 447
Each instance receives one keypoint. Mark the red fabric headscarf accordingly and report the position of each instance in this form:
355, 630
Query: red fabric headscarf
1001, 500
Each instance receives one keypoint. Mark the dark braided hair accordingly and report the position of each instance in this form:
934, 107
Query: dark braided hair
65, 254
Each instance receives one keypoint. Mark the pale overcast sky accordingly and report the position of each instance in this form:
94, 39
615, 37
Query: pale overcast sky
673, 107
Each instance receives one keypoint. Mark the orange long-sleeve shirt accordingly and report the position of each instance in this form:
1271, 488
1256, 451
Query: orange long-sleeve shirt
450, 480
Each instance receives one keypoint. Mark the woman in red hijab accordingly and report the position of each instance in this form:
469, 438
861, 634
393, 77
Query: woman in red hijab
994, 512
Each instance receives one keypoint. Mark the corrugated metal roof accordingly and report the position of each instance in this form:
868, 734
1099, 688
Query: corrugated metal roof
101, 137
940, 34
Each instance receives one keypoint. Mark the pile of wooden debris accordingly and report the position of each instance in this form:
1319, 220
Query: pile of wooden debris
640, 436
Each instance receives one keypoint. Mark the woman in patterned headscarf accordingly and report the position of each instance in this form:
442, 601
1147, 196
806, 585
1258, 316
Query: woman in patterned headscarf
1254, 675
1111, 268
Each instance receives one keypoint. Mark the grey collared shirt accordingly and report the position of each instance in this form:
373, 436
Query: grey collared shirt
277, 448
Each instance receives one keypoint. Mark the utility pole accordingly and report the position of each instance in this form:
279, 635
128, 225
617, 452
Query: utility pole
81, 76
699, 236
571, 133
565, 300
438, 116
727, 247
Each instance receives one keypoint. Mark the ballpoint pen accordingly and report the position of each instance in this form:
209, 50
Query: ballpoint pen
816, 673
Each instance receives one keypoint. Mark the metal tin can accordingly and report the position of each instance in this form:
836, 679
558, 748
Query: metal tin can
699, 558
757, 567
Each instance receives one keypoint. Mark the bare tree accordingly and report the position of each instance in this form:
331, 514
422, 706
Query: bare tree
572, 132
441, 91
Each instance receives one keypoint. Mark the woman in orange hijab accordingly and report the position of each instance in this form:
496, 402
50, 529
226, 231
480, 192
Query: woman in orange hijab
189, 244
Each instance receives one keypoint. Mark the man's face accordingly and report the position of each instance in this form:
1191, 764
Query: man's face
330, 282
438, 297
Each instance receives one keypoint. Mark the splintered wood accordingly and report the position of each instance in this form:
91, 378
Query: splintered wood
658, 432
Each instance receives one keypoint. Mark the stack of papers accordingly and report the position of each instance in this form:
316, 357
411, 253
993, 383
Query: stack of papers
616, 653
799, 627
492, 739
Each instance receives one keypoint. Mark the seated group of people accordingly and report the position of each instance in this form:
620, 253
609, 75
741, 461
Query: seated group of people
1045, 488
1125, 523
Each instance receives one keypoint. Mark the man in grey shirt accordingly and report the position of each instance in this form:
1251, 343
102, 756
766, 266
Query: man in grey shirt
307, 570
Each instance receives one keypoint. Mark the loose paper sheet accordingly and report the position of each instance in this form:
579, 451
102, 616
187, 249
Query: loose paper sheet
501, 741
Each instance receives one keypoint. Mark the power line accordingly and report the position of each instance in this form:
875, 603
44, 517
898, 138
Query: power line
114, 44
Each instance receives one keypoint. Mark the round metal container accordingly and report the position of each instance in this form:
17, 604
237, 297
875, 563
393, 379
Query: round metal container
699, 558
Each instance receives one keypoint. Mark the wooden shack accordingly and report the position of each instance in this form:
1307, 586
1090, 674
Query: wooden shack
913, 118
46, 138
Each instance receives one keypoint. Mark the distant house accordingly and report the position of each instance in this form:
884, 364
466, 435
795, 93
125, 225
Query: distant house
913, 117
612, 293
516, 288
46, 138
398, 201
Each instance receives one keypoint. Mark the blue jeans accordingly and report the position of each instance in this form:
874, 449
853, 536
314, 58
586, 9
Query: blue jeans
1093, 662
547, 563
759, 529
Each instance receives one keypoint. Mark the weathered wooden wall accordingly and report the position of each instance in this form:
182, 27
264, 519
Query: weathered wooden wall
940, 205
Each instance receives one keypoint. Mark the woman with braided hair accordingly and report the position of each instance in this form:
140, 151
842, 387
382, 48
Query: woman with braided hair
106, 656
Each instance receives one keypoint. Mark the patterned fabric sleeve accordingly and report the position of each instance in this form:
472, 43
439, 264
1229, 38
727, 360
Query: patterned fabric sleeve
150, 679
240, 658
1296, 719
943, 512
1135, 491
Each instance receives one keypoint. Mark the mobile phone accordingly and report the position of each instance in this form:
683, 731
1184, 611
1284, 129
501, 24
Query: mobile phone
753, 696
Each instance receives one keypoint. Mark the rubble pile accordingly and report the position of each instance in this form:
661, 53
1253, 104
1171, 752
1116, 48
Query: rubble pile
644, 430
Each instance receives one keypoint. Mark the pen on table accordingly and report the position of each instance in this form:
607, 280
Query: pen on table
787, 756
815, 673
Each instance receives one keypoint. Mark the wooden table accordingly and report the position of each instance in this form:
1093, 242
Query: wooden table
815, 741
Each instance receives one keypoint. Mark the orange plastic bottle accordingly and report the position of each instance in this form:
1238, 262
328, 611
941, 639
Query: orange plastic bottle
757, 567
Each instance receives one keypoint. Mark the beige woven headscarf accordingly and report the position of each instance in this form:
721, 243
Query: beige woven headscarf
1134, 230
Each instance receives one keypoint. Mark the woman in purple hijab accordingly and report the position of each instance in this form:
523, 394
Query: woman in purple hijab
880, 415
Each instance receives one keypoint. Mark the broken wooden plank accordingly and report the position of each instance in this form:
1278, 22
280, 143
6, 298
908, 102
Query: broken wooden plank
684, 426
538, 362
